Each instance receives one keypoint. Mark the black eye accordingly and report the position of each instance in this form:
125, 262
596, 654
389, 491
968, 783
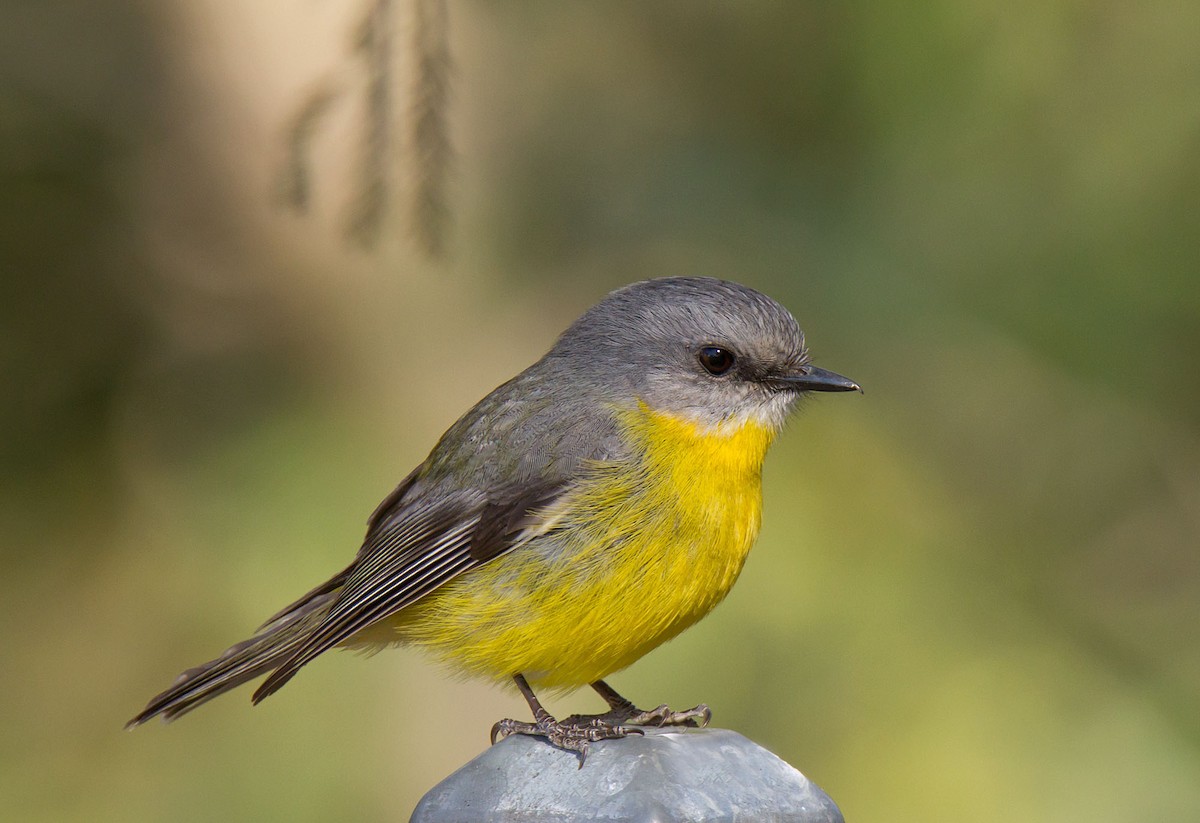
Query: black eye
716, 359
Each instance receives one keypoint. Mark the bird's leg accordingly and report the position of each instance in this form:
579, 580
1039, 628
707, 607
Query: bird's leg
623, 712
573, 733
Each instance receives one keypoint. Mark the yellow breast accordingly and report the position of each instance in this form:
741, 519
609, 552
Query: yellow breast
637, 553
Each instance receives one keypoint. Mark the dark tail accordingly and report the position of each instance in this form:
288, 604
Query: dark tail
274, 643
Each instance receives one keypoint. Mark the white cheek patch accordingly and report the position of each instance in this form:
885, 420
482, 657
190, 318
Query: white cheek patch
767, 410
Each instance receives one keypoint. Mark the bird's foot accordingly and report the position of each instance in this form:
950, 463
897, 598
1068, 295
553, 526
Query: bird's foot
623, 712
695, 717
574, 733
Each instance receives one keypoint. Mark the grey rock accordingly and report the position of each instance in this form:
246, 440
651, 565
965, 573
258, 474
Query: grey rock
668, 776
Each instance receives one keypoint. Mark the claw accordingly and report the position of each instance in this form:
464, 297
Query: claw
500, 730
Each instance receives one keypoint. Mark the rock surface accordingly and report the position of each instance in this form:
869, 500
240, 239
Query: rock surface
668, 776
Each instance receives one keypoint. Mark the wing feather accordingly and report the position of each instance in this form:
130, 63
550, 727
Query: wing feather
412, 550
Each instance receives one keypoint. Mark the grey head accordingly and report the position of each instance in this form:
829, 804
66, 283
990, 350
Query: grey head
707, 350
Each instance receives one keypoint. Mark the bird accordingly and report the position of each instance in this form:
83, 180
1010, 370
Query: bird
578, 516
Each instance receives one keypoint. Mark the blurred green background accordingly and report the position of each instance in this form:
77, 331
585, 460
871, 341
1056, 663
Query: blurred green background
977, 591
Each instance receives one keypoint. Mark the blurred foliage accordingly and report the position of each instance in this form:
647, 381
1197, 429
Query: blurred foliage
978, 586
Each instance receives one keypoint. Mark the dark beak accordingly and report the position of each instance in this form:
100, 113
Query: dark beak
810, 378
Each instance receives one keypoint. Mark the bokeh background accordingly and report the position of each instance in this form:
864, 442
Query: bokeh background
977, 591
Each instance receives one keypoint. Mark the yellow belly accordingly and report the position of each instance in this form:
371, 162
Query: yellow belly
636, 554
